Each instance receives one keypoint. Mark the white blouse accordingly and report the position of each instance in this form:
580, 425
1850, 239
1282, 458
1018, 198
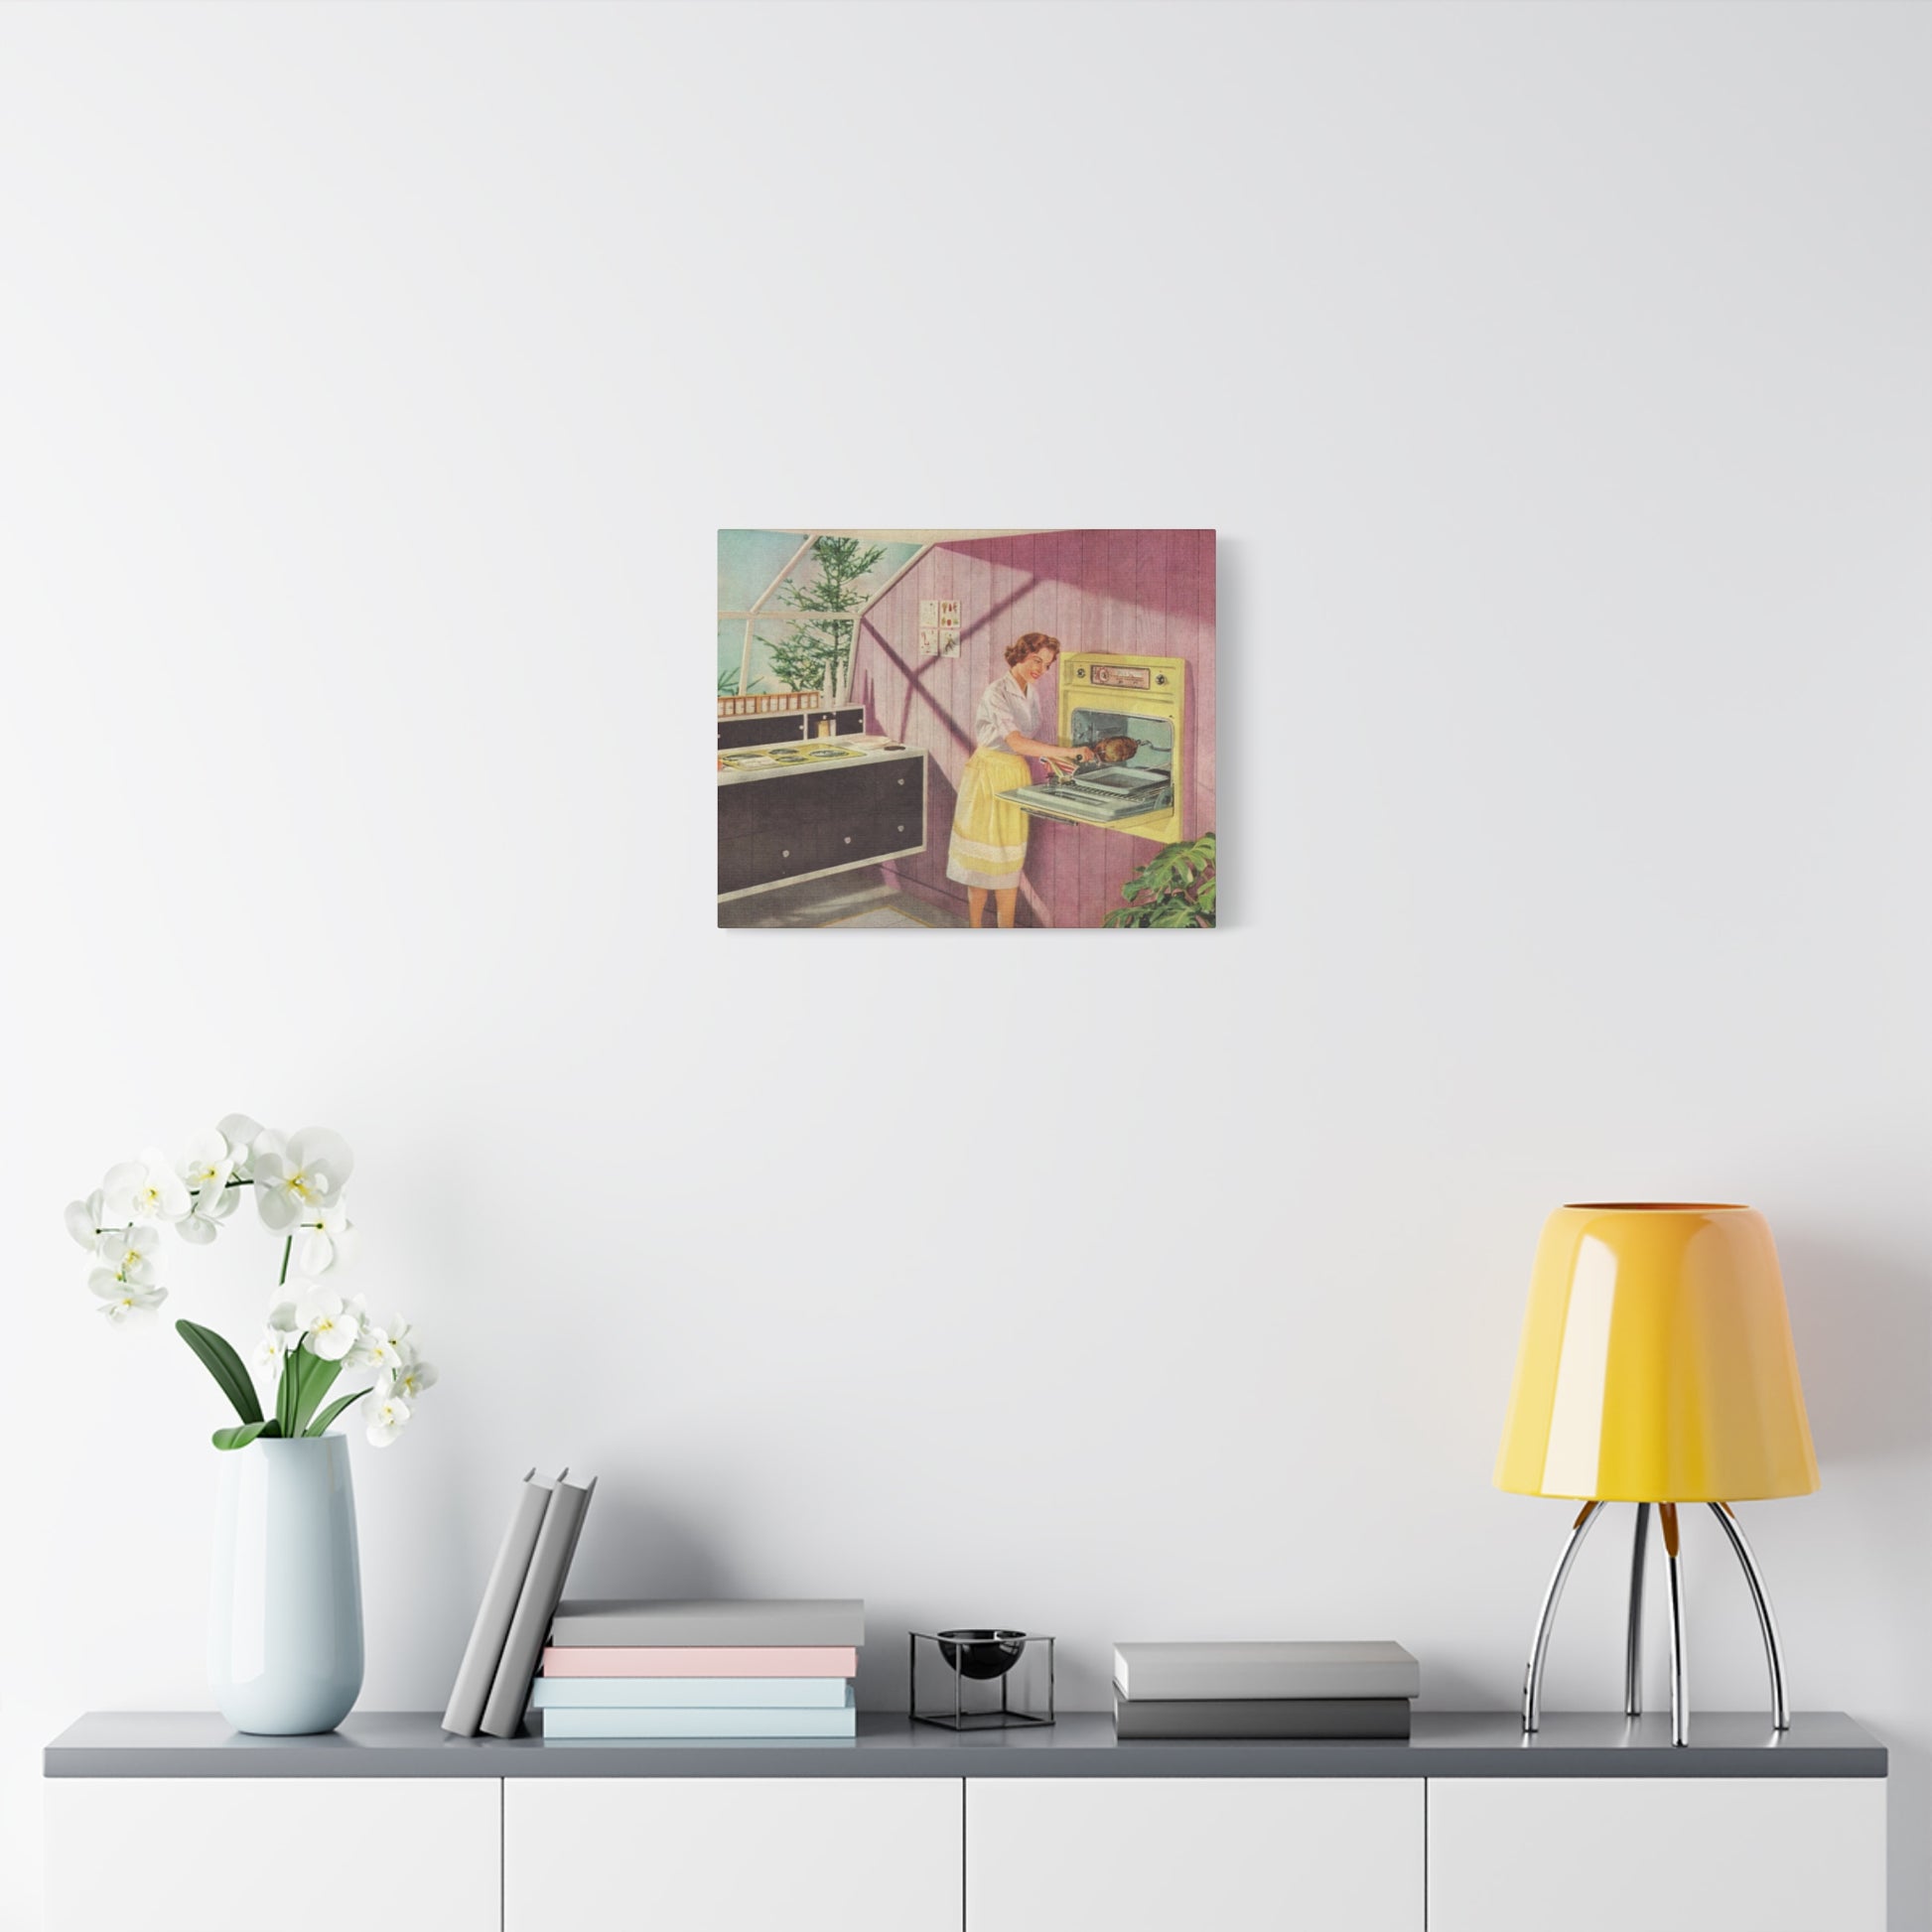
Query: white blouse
1006, 708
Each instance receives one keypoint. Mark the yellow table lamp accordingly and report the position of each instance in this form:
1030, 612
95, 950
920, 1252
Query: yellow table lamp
1656, 1366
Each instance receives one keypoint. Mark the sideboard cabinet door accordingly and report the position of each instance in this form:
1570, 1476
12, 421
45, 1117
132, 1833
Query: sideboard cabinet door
1670, 1855
271, 1854
1161, 1855
730, 1854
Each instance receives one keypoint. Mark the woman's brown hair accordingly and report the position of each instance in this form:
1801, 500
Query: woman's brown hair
1026, 647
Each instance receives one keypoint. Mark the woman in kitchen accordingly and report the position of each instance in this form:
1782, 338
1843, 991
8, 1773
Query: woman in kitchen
989, 832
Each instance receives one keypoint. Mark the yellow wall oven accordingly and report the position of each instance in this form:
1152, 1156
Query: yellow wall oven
1132, 711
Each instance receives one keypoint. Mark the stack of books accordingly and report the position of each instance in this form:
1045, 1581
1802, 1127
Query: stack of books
1264, 1689
640, 1668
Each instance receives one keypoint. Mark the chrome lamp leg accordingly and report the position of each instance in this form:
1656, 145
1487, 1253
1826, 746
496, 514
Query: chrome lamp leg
1680, 1700
1633, 1641
1766, 1622
1539, 1643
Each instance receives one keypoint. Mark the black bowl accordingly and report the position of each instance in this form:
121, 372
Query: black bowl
981, 1654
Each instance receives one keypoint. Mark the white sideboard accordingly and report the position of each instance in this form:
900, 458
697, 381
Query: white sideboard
245, 1854
1155, 1855
1777, 1854
806, 1855
174, 1823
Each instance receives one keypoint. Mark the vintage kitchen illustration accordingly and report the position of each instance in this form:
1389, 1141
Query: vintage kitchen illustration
991, 728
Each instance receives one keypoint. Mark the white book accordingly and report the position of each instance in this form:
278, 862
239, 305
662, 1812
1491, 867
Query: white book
1156, 1671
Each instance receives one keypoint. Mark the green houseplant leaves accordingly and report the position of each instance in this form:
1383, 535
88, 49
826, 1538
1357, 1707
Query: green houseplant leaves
221, 1362
1174, 889
306, 1379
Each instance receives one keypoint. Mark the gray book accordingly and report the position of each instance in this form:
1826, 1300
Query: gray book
488, 1634
1265, 1670
1281, 1718
536, 1603
667, 1623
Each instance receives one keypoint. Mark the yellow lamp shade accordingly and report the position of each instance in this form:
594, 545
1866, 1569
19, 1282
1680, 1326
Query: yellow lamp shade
1656, 1362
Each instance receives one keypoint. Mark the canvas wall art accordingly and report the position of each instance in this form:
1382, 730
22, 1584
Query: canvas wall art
991, 730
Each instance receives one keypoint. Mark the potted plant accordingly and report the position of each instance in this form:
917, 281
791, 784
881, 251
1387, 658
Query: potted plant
1174, 888
285, 1634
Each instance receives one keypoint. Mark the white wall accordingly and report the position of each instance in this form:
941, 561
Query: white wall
371, 382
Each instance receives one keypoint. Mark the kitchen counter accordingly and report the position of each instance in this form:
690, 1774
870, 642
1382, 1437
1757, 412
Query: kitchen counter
814, 754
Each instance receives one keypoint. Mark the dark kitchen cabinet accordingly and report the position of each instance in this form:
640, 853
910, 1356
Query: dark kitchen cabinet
787, 727
796, 823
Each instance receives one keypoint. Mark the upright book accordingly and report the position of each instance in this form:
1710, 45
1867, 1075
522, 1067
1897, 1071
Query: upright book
536, 1603
1265, 1670
488, 1634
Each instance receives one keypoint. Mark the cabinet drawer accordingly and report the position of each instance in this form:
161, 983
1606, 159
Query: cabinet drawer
730, 1854
271, 1854
767, 856
1161, 1854
866, 788
1670, 1855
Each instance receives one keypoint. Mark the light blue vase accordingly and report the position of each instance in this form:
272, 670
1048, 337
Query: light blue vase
285, 1630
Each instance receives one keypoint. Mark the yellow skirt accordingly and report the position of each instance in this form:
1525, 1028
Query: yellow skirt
989, 835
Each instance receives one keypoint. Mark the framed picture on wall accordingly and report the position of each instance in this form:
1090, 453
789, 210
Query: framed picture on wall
991, 728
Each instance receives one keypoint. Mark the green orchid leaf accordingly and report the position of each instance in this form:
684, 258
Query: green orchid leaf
288, 1390
318, 1375
221, 1362
320, 1426
240, 1435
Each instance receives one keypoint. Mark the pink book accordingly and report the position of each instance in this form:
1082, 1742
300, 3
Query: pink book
732, 1660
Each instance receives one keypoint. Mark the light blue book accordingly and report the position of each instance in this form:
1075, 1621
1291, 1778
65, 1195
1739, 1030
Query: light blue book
562, 1722
689, 1693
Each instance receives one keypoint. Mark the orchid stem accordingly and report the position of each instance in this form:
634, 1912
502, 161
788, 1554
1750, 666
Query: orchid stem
288, 1248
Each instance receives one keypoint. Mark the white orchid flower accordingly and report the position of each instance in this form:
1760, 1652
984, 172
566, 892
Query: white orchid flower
409, 1380
374, 1349
283, 1333
241, 1134
387, 1417
325, 1243
132, 1253
84, 1218
208, 1161
144, 1189
333, 1326
295, 1180
122, 1299
211, 1207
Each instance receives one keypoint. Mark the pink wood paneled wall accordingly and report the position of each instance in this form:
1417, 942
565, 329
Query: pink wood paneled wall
1146, 591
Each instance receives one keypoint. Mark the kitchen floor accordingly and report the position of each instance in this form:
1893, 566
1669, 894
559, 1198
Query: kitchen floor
848, 898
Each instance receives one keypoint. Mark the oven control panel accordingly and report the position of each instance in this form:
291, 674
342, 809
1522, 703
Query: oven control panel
1158, 677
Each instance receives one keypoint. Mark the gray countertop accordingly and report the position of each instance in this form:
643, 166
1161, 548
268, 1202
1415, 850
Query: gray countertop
872, 751
1445, 1744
